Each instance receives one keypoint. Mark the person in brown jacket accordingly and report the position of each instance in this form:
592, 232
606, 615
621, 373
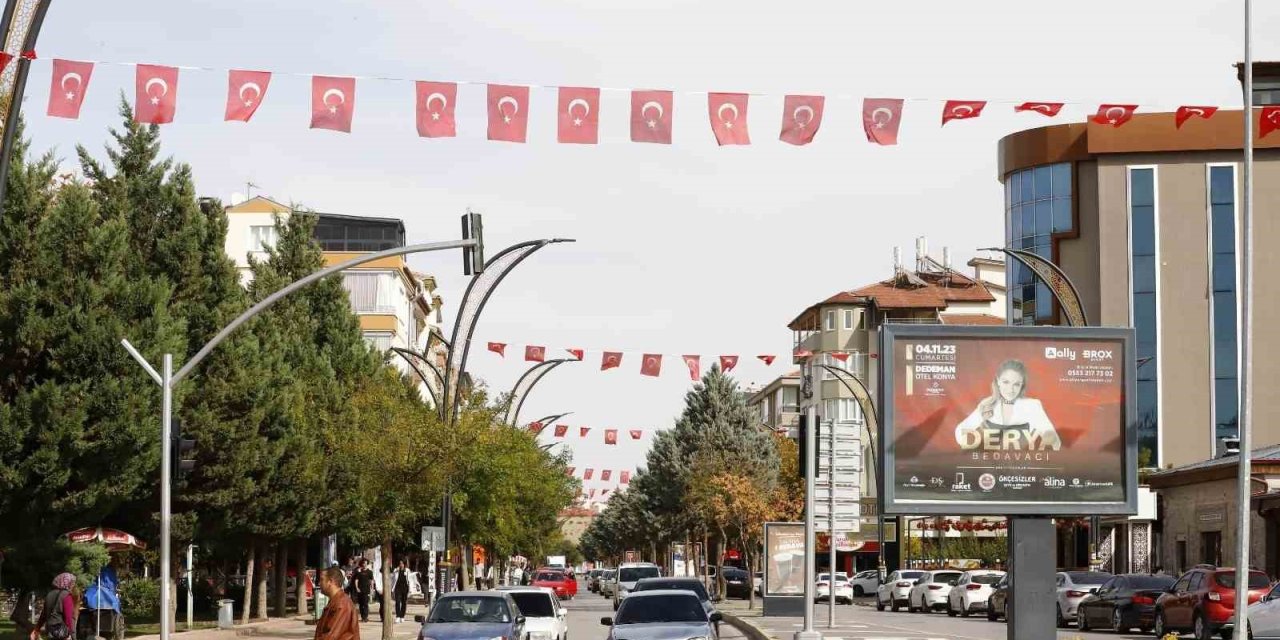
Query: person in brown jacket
338, 622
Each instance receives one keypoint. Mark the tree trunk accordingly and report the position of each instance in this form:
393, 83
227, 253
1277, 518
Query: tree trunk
748, 559
465, 562
260, 575
706, 553
247, 604
300, 561
281, 575
388, 621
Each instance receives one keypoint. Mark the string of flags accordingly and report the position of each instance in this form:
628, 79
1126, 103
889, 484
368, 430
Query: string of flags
562, 430
650, 363
333, 102
606, 475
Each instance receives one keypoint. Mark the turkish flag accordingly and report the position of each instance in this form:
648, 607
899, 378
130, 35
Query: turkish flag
436, 101
245, 91
508, 112
728, 113
801, 117
537, 428
610, 437
695, 366
880, 119
1114, 114
333, 101
803, 353
840, 355
576, 353
626, 477
767, 360
579, 116
499, 348
605, 474
652, 365
534, 353
727, 363
586, 475
1049, 109
962, 110
70, 81
156, 93
651, 113
582, 431
611, 360
1185, 113
635, 434
561, 429
1269, 121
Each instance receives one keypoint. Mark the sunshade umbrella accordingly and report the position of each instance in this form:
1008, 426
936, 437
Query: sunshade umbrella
114, 540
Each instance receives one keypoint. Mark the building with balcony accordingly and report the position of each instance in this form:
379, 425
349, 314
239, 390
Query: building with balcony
397, 307
777, 404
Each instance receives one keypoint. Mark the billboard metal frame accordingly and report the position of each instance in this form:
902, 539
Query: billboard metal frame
890, 334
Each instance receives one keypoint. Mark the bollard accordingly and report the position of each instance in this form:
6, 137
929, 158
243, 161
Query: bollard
226, 616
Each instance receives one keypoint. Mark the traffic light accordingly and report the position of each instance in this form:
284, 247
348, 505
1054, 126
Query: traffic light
472, 257
805, 440
181, 452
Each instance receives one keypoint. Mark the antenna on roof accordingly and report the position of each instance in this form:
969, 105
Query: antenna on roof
922, 250
897, 259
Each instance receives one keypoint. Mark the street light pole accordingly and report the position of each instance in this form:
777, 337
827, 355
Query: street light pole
1244, 470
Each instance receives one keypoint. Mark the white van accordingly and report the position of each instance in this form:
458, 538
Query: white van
627, 575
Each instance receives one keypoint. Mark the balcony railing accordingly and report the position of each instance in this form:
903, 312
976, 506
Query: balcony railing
912, 321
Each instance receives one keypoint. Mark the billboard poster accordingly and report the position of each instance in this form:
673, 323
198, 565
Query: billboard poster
1008, 420
784, 559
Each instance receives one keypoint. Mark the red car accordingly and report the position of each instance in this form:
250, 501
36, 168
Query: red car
1203, 601
562, 582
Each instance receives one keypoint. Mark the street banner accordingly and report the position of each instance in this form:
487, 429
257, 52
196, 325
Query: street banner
1008, 420
784, 559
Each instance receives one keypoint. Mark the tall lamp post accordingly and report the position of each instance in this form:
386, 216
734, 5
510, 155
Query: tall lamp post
1244, 468
20, 27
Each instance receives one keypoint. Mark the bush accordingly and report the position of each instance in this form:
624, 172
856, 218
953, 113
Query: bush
140, 599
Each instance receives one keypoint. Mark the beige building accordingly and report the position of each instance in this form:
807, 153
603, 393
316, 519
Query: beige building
574, 522
396, 306
777, 404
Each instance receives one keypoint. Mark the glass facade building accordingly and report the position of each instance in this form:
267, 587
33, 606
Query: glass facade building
1037, 206
1223, 310
1143, 309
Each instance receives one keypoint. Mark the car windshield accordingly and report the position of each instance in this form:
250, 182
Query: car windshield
1257, 579
549, 576
990, 578
609, 574
911, 575
1150, 582
1088, 577
534, 605
631, 574
946, 576
661, 608
470, 609
682, 585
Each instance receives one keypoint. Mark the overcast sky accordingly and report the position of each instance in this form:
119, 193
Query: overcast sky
688, 248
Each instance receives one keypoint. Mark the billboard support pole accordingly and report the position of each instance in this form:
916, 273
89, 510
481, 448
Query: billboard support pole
810, 549
1031, 576
831, 519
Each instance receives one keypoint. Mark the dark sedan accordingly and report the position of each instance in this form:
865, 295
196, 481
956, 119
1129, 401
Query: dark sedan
998, 603
472, 615
1122, 603
737, 583
662, 615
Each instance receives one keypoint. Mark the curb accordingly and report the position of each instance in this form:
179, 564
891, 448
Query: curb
750, 630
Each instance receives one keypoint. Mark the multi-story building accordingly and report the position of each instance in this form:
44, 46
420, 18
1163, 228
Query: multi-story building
396, 306
777, 404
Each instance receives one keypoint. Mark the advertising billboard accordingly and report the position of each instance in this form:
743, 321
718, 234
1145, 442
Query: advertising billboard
1007, 420
784, 560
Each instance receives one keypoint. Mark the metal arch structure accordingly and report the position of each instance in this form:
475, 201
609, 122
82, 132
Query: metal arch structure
477, 295
1056, 279
552, 418
20, 25
412, 358
526, 383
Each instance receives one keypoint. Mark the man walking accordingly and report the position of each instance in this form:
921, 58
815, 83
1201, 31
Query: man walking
362, 587
338, 622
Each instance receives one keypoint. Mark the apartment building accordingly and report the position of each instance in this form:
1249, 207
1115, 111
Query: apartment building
777, 404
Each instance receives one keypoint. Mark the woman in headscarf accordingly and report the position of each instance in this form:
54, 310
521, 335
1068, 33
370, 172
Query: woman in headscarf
59, 616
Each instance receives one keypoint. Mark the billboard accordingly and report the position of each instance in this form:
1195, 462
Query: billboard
784, 559
1007, 420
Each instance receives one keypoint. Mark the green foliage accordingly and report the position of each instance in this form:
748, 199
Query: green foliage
140, 598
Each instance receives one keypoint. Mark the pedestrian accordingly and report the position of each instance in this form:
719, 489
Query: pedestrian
338, 622
362, 588
59, 615
400, 590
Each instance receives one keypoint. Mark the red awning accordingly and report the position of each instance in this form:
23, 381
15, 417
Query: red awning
871, 546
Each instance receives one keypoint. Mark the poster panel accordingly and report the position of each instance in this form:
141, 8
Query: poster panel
1008, 420
784, 559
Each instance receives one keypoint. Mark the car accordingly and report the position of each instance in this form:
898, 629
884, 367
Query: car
608, 582
661, 615
564, 585
757, 581
472, 615
737, 583
592, 579
893, 593
1073, 586
931, 590
1264, 616
679, 584
1122, 603
865, 582
998, 603
971, 591
1203, 601
824, 588
544, 616
628, 574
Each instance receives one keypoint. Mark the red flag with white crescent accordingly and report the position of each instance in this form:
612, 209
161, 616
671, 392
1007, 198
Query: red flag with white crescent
499, 348
1269, 121
70, 81
962, 110
586, 475
435, 109
635, 434
579, 116
1187, 112
728, 113
610, 437
534, 353
801, 117
1114, 114
611, 360
880, 119
582, 431
651, 113
803, 353
245, 91
652, 365
536, 428
561, 429
695, 366
727, 363
840, 355
626, 477
576, 353
767, 360
333, 102
606, 474
508, 112
1048, 109
156, 94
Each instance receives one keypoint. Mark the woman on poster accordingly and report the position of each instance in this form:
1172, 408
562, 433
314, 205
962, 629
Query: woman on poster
1008, 408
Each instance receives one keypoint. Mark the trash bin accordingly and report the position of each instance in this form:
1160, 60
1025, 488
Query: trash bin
226, 615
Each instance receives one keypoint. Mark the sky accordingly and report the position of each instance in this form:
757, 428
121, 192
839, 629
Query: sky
683, 249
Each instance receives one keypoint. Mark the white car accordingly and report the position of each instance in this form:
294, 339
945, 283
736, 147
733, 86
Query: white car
1264, 616
608, 582
1074, 586
931, 591
972, 591
544, 616
865, 583
843, 592
893, 593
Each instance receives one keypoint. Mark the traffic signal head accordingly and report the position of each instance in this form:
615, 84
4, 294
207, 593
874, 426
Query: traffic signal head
182, 452
472, 257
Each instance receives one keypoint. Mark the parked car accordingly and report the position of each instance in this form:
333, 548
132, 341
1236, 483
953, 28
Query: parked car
1073, 586
971, 591
608, 582
757, 582
998, 603
1264, 616
737, 583
628, 574
931, 590
472, 615
1122, 603
661, 615
1203, 601
593, 580
893, 593
865, 583
564, 585
544, 616
826, 588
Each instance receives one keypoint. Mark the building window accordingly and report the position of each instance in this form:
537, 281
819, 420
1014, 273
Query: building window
379, 340
262, 237
848, 318
790, 399
831, 321
371, 292
1037, 206
1223, 312
1143, 247
840, 410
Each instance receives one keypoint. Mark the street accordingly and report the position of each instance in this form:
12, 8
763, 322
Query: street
587, 608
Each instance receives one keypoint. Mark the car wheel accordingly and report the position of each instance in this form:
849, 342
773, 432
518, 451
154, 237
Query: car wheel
1200, 629
1062, 620
1081, 622
1160, 629
857, 591
1117, 621
893, 605
950, 610
879, 603
964, 609
911, 608
991, 610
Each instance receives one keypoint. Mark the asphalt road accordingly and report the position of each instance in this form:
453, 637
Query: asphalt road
587, 608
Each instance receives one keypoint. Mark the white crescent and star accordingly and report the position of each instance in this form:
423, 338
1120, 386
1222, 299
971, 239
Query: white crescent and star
962, 111
71, 93
164, 89
720, 114
650, 362
644, 110
342, 99
875, 117
1196, 111
444, 104
795, 115
1113, 119
1274, 117
515, 108
1043, 108
586, 110
257, 93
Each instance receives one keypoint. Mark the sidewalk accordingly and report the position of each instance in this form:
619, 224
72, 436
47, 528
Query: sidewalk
296, 628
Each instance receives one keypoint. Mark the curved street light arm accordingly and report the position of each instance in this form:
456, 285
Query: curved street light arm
526, 383
410, 357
